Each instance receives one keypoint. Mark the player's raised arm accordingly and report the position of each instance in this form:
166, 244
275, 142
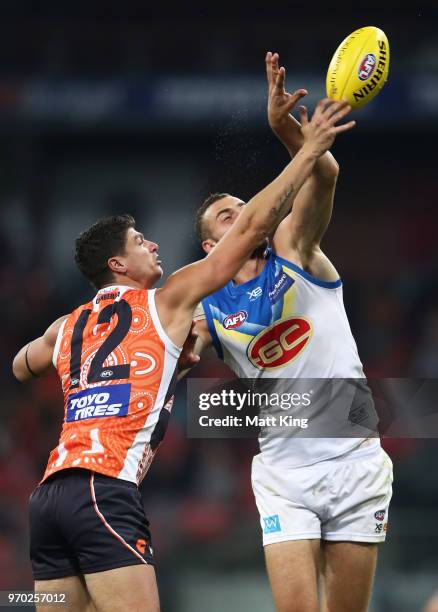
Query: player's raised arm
283, 124
186, 287
35, 358
311, 213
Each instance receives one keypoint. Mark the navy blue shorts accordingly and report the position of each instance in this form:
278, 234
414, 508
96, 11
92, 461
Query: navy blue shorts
83, 522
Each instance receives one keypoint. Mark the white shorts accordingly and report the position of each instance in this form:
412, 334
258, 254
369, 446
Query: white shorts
341, 499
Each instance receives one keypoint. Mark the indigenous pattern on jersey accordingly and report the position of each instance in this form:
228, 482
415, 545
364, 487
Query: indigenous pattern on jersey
286, 324
117, 369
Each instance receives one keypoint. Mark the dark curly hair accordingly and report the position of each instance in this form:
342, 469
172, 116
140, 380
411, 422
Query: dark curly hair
104, 239
200, 226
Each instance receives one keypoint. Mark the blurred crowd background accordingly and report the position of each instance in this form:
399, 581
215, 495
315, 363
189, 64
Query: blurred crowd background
112, 107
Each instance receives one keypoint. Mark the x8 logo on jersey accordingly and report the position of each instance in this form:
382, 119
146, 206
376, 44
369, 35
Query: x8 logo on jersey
279, 343
254, 294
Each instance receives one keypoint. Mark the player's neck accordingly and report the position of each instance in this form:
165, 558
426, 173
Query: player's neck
250, 269
124, 281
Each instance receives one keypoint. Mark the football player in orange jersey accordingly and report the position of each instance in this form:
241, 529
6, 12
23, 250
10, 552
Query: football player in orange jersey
116, 357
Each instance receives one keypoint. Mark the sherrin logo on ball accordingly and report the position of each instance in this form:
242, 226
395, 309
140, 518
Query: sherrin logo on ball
359, 67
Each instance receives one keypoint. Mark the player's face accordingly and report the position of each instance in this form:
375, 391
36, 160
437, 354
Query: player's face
221, 215
141, 259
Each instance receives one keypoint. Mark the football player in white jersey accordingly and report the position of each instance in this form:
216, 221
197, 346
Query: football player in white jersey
324, 502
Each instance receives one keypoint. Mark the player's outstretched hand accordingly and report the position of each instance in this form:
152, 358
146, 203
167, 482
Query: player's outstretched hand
280, 102
188, 358
322, 130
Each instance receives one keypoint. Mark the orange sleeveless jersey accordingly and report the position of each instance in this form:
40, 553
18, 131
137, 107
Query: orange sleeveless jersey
117, 367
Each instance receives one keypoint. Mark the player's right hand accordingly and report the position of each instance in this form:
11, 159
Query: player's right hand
321, 130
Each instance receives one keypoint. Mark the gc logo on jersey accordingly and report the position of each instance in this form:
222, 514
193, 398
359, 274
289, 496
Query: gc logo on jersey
279, 343
111, 400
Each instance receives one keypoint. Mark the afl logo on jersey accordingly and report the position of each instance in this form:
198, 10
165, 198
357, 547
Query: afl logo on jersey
279, 343
235, 320
367, 67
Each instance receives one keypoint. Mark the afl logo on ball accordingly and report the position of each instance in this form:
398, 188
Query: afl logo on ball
234, 320
367, 66
280, 343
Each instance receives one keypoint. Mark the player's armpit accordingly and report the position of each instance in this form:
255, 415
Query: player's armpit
303, 229
35, 358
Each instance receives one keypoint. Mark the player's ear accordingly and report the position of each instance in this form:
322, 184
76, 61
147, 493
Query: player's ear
116, 265
208, 245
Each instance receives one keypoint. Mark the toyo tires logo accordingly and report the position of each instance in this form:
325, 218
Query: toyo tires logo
279, 343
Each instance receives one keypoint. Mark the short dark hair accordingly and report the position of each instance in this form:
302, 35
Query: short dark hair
200, 226
104, 239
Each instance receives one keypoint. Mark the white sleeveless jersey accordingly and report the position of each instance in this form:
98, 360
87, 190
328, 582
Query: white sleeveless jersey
286, 324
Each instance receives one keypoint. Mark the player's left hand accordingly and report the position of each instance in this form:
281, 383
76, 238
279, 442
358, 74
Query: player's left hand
280, 102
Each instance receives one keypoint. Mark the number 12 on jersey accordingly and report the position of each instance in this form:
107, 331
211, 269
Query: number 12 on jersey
97, 372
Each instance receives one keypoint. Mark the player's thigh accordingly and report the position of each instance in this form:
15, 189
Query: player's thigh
348, 574
75, 590
132, 588
293, 574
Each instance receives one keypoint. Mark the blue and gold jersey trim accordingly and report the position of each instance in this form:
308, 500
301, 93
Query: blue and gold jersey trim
316, 281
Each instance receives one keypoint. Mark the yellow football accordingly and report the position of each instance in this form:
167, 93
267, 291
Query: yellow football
359, 67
